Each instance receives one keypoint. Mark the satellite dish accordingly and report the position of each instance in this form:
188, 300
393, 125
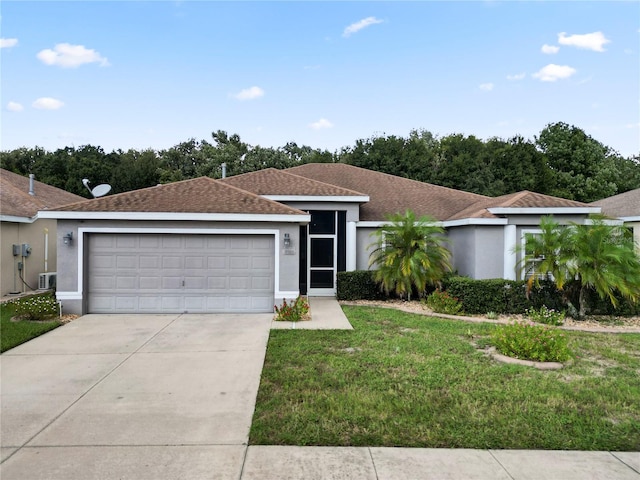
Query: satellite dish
99, 191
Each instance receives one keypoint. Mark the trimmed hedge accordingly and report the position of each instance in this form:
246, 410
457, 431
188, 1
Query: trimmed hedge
358, 285
492, 295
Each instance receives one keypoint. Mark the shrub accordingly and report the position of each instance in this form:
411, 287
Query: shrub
545, 315
358, 285
492, 295
292, 312
527, 341
38, 307
442, 302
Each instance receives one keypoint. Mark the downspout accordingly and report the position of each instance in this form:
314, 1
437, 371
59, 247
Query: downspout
46, 250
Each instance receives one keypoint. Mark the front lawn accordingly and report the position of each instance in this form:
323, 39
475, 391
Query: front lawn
401, 379
13, 334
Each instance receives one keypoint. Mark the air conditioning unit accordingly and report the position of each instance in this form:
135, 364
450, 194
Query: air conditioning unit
47, 281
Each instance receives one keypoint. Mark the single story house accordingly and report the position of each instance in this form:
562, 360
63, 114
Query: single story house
625, 207
244, 243
27, 243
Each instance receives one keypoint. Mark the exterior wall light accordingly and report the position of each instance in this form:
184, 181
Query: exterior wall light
287, 240
68, 238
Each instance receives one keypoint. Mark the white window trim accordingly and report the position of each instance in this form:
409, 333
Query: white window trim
523, 243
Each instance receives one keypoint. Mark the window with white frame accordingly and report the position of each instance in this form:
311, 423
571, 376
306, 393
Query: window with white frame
531, 264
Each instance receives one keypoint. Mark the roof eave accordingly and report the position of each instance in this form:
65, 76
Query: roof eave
17, 219
319, 198
543, 210
207, 217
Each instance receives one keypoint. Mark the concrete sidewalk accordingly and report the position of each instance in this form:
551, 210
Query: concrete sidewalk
363, 463
326, 314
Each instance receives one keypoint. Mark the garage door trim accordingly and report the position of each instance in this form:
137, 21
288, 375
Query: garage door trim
78, 295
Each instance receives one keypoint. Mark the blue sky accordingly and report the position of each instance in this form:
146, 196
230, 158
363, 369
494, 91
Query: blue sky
127, 74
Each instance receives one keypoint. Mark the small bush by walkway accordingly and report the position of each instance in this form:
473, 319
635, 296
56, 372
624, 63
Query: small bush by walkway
400, 379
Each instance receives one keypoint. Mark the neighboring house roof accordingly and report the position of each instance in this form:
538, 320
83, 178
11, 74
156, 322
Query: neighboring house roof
272, 182
518, 200
15, 200
623, 205
390, 194
198, 195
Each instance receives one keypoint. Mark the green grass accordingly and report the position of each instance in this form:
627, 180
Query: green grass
13, 334
407, 380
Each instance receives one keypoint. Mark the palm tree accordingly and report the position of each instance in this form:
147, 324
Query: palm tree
607, 262
598, 255
545, 254
409, 253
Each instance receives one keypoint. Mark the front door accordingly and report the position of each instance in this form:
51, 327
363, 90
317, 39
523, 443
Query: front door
322, 248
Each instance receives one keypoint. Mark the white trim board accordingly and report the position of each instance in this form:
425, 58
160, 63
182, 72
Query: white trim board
543, 210
164, 216
318, 198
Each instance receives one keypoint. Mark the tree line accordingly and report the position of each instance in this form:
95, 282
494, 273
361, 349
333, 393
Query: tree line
562, 160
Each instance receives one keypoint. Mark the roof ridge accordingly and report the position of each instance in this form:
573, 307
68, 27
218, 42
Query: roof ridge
325, 183
395, 176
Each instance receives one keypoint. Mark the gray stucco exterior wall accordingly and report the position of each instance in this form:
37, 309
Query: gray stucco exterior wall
477, 250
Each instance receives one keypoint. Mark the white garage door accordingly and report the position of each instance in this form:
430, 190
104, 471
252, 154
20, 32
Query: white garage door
165, 273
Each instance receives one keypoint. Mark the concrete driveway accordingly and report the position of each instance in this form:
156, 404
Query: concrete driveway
132, 397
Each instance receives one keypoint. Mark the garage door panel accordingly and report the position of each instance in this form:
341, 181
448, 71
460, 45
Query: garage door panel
172, 283
103, 282
173, 304
149, 303
172, 241
126, 283
172, 262
149, 283
126, 304
126, 241
149, 261
149, 241
158, 273
191, 283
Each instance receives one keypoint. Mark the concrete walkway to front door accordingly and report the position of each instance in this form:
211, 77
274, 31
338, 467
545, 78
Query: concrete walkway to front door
132, 396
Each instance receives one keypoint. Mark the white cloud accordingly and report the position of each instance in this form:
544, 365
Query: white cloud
250, 93
8, 42
356, 27
550, 49
320, 124
47, 103
589, 41
14, 107
487, 87
517, 76
553, 72
71, 56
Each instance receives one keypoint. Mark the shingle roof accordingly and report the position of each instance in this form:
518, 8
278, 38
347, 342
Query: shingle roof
524, 199
198, 195
278, 182
388, 193
15, 199
622, 205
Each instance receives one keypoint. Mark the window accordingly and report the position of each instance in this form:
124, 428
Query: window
531, 265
